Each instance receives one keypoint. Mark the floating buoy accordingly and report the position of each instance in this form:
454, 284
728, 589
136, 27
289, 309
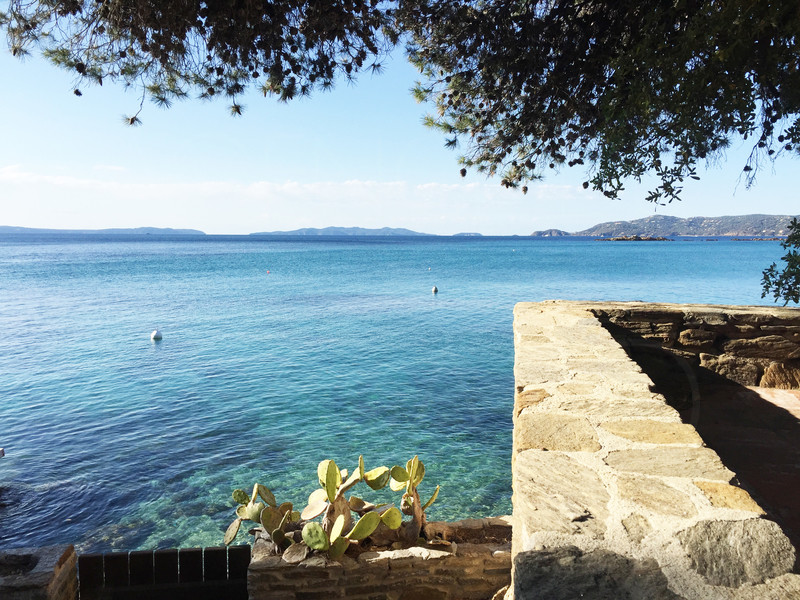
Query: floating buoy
2, 452
435, 290
156, 335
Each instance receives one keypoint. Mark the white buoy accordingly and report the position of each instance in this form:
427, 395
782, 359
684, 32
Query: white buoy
435, 290
156, 335
2, 452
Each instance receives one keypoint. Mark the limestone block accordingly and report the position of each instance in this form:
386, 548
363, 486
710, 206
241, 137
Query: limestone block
710, 316
553, 492
732, 553
724, 495
768, 346
654, 432
637, 527
697, 339
671, 461
656, 496
783, 375
548, 431
741, 370
790, 332
567, 573
528, 397
602, 407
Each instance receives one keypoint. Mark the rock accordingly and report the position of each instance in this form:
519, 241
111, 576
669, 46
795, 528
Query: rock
553, 492
527, 398
740, 370
567, 573
724, 495
654, 432
637, 527
732, 553
671, 461
656, 496
783, 375
547, 431
697, 339
768, 346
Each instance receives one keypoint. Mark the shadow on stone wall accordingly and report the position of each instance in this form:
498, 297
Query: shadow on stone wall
756, 439
567, 573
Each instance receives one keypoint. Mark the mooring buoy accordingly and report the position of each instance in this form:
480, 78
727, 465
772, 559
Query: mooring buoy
435, 290
156, 335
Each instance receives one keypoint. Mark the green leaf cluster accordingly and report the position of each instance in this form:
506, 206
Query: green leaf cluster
784, 284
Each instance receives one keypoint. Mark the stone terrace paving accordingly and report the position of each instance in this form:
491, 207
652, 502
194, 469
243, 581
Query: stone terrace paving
615, 496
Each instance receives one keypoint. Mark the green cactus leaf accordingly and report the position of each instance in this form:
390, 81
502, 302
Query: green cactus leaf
232, 530
253, 511
365, 526
412, 467
420, 475
397, 485
285, 507
333, 479
315, 537
266, 495
278, 536
392, 518
336, 530
318, 495
356, 504
429, 502
399, 473
361, 467
322, 472
241, 511
295, 516
338, 548
254, 497
377, 478
312, 511
270, 518
241, 496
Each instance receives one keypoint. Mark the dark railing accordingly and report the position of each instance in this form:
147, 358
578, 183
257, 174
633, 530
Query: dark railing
187, 573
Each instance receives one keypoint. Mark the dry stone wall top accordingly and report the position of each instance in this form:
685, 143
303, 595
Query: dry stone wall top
607, 479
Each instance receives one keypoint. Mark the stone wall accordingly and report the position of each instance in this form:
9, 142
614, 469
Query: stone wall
47, 573
756, 345
457, 567
614, 496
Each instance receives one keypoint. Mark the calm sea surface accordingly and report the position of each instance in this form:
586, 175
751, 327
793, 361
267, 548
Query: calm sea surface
278, 353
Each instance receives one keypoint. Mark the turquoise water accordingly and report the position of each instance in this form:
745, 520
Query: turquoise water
278, 353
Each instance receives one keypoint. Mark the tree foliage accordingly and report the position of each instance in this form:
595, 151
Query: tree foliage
624, 87
170, 48
785, 284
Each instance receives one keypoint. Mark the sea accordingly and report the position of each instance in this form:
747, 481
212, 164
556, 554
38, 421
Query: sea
277, 353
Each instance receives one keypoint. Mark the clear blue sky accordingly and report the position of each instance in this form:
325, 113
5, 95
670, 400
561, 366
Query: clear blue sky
357, 156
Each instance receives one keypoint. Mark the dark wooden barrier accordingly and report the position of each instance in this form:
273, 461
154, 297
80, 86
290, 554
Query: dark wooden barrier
187, 573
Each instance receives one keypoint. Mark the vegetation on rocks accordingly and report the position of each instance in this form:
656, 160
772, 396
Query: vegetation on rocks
785, 284
295, 534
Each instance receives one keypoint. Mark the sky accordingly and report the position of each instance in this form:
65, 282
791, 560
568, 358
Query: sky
358, 156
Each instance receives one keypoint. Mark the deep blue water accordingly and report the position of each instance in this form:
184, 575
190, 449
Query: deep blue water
278, 353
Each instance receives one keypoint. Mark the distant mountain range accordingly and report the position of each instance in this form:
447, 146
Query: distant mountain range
116, 231
665, 226
343, 231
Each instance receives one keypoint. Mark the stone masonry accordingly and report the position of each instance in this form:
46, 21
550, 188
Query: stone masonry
614, 496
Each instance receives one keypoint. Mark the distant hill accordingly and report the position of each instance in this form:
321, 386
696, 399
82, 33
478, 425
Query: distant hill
343, 231
551, 233
115, 231
665, 226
